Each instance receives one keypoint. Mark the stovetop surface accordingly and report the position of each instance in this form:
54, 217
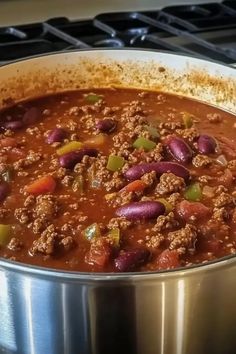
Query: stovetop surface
206, 30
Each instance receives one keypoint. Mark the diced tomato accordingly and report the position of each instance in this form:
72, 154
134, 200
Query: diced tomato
99, 253
8, 142
227, 146
226, 179
135, 186
16, 152
213, 246
168, 260
188, 209
43, 185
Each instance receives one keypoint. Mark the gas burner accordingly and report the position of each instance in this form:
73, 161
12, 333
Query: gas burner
206, 30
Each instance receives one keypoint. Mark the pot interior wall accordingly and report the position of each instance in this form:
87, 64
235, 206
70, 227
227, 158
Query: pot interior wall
191, 77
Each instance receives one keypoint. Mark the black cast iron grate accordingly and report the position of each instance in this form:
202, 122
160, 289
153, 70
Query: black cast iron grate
207, 30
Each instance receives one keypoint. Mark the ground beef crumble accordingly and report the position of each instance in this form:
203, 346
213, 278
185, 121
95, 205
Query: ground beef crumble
220, 214
232, 165
223, 199
190, 134
169, 183
149, 178
46, 206
46, 242
153, 242
120, 222
183, 239
15, 244
116, 183
165, 222
22, 215
201, 161
120, 198
31, 159
67, 243
214, 117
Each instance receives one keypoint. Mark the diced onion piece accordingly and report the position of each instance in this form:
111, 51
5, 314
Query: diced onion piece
115, 163
93, 98
152, 131
144, 143
222, 160
69, 147
96, 140
92, 231
78, 184
208, 191
166, 204
109, 196
187, 120
6, 176
193, 192
43, 185
95, 182
5, 232
114, 237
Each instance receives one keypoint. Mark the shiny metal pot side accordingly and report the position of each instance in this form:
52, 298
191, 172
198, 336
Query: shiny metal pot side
179, 312
185, 311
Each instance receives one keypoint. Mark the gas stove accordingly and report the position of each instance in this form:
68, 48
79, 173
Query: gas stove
206, 31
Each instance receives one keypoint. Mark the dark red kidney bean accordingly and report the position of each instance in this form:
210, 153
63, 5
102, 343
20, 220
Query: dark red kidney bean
13, 125
70, 159
141, 210
56, 135
206, 144
106, 125
180, 150
129, 260
138, 171
4, 190
31, 116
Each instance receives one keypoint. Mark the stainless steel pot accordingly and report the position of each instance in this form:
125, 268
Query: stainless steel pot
186, 311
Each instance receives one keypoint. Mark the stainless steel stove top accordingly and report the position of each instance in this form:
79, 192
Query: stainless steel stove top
207, 30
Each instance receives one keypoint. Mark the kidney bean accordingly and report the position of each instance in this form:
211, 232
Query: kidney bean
129, 260
13, 125
136, 172
56, 135
139, 210
106, 125
180, 149
70, 159
187, 210
4, 191
31, 116
206, 144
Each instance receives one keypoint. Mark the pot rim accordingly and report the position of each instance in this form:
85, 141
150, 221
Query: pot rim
10, 265
168, 52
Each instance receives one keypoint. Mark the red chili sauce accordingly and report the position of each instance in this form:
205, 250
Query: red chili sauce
114, 180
